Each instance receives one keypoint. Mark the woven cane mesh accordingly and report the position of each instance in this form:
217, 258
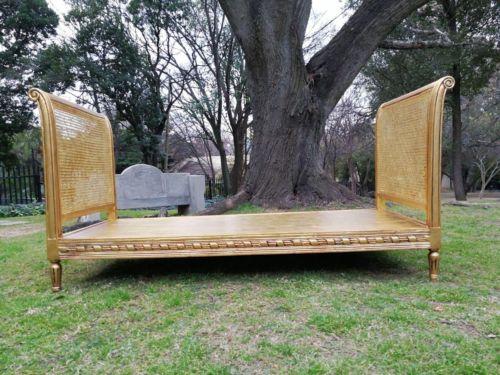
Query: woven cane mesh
84, 158
402, 149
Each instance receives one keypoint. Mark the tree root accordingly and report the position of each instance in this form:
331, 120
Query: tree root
323, 193
227, 204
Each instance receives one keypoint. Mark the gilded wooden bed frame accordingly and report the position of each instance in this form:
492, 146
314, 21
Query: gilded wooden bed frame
79, 179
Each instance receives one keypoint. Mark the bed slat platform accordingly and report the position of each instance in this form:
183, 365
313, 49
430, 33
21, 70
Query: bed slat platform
272, 233
79, 180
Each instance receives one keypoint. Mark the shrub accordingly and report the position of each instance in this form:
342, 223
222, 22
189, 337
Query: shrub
22, 210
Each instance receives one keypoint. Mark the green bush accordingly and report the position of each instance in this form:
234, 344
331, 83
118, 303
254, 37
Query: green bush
22, 210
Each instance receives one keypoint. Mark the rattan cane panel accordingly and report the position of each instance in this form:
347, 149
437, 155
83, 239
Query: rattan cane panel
402, 149
84, 160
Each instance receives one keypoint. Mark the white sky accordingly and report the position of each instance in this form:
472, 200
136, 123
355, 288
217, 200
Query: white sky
330, 9
322, 10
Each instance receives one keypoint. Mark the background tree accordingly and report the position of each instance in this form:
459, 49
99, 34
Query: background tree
348, 144
481, 119
135, 60
24, 29
291, 100
119, 59
198, 146
215, 95
443, 37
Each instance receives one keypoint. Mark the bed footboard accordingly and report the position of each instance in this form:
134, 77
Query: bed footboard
408, 156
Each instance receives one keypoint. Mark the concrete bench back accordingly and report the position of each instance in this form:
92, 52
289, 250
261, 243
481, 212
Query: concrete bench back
144, 186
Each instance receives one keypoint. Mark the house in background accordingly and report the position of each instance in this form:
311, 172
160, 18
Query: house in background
208, 166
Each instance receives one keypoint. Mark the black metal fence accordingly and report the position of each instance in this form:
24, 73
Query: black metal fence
214, 187
21, 184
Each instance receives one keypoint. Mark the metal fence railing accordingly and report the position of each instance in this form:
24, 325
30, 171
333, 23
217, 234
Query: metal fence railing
24, 184
214, 187
21, 184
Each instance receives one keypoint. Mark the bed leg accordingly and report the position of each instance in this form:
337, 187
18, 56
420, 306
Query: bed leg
433, 265
55, 276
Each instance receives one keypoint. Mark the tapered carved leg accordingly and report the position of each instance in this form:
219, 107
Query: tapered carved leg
55, 276
433, 265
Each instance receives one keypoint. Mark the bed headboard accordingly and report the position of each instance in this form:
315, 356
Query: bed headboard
408, 150
78, 160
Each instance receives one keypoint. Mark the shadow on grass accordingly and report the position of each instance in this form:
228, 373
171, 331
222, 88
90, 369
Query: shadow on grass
378, 265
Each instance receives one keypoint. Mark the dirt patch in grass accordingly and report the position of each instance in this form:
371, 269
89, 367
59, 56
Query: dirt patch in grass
496, 223
467, 328
19, 230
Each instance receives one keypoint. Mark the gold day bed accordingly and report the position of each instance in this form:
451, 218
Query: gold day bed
80, 179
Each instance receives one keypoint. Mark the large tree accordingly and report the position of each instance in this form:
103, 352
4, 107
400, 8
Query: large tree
24, 26
291, 99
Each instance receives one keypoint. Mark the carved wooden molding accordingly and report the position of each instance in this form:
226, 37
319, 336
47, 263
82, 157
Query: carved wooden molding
147, 245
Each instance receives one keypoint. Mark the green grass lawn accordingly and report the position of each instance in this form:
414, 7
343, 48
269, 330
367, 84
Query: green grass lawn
365, 313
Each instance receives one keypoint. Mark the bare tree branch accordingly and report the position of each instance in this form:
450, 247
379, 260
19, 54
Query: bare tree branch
355, 42
424, 44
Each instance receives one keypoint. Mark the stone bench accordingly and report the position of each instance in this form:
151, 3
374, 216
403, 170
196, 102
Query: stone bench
144, 186
80, 179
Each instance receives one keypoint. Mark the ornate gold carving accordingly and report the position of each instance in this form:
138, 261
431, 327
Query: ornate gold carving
152, 244
448, 82
55, 276
433, 265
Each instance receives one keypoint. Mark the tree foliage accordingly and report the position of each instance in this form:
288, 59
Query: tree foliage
445, 37
482, 136
148, 64
424, 47
119, 59
24, 29
215, 95
348, 144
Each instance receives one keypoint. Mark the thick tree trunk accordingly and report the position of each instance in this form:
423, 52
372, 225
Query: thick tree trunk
165, 145
285, 162
239, 160
458, 180
450, 8
353, 175
227, 204
224, 168
291, 100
